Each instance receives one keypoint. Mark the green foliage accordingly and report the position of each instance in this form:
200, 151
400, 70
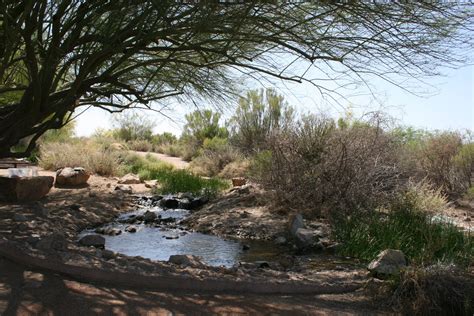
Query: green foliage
464, 161
63, 134
214, 156
147, 168
130, 126
423, 240
258, 115
175, 181
204, 124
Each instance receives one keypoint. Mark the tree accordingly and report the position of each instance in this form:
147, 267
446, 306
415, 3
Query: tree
56, 56
202, 125
132, 126
258, 115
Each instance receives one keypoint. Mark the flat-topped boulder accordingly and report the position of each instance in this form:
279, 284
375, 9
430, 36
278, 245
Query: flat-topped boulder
25, 189
72, 177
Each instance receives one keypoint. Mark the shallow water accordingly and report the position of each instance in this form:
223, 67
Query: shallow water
151, 242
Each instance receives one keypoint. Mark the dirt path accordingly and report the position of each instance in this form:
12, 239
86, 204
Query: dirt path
175, 161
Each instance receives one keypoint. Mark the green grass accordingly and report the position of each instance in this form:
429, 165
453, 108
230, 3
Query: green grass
171, 180
174, 181
422, 240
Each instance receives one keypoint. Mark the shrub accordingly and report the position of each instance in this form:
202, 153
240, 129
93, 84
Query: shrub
435, 290
426, 198
320, 167
215, 154
93, 157
201, 125
140, 145
237, 168
132, 126
464, 161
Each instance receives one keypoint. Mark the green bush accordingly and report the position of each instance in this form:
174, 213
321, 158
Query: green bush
147, 168
423, 239
214, 155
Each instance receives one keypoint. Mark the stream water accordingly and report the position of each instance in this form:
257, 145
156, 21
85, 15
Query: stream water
159, 242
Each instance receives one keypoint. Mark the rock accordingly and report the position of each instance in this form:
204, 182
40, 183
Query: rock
185, 204
107, 254
171, 236
131, 229
245, 247
24, 189
467, 219
19, 218
169, 202
280, 240
307, 238
237, 182
388, 262
124, 188
198, 202
110, 231
186, 261
54, 242
93, 240
40, 210
149, 217
295, 223
72, 177
129, 178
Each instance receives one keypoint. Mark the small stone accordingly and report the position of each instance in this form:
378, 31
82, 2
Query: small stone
124, 188
186, 261
129, 178
149, 217
93, 240
295, 223
467, 219
169, 202
388, 262
131, 229
280, 240
245, 247
107, 254
19, 218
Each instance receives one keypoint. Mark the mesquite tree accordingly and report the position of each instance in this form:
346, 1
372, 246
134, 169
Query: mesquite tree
117, 54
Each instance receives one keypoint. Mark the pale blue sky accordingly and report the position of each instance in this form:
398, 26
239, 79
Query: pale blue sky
449, 105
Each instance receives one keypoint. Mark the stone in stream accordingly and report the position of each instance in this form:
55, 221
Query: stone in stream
187, 261
307, 239
149, 217
245, 247
131, 229
110, 231
388, 262
93, 240
198, 202
169, 202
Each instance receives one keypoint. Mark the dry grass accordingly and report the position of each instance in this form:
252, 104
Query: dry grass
89, 155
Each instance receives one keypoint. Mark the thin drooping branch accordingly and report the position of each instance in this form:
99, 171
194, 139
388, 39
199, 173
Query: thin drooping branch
115, 55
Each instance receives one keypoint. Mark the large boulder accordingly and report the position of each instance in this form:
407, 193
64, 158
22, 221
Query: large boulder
129, 178
24, 189
169, 202
92, 240
72, 177
187, 261
388, 262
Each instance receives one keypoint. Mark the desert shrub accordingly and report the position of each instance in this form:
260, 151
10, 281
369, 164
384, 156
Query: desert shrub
160, 141
405, 227
434, 290
203, 124
175, 181
469, 194
215, 154
91, 156
174, 150
318, 166
464, 161
257, 116
435, 158
140, 145
237, 168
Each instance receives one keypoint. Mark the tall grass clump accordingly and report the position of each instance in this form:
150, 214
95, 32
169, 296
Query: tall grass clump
407, 228
175, 181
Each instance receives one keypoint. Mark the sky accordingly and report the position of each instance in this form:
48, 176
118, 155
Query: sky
447, 104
